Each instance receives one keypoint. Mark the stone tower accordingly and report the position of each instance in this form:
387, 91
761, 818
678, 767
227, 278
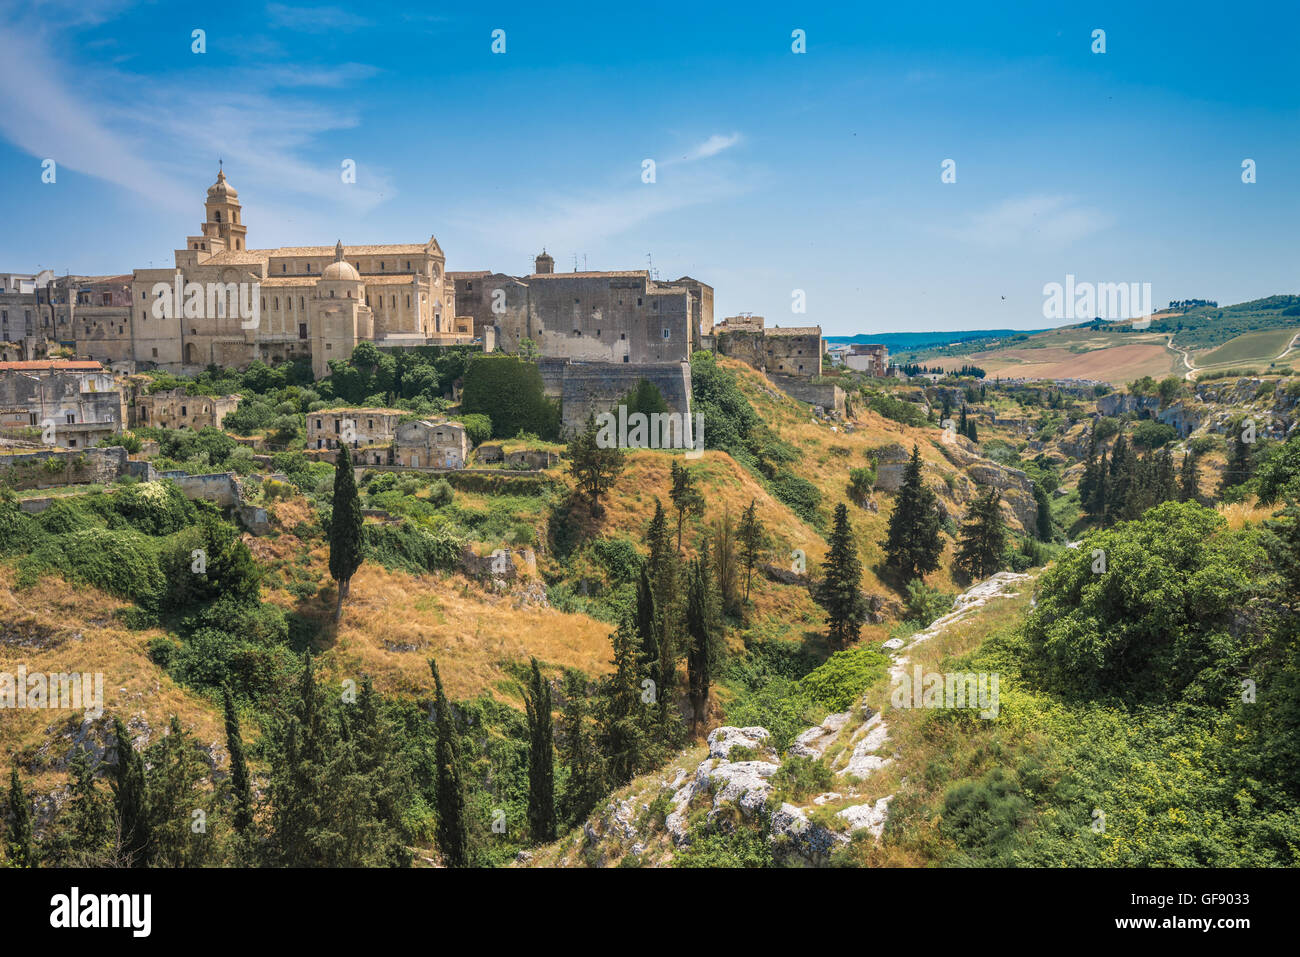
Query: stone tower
544, 263
222, 224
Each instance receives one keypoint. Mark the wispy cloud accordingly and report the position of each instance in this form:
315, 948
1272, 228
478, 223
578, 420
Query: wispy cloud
714, 145
313, 19
124, 128
1055, 220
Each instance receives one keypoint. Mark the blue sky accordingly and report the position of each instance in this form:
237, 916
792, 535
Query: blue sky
775, 171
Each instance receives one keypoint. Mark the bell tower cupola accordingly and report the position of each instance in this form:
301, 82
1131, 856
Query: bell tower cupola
222, 220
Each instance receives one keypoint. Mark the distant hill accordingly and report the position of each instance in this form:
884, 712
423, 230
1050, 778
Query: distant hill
899, 341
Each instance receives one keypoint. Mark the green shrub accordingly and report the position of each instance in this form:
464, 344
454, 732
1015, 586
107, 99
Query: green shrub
801, 495
478, 427
843, 678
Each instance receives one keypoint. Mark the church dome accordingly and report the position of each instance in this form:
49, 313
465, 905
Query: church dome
221, 189
341, 270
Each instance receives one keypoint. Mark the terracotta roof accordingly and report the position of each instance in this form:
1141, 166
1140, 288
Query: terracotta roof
468, 274
51, 365
795, 331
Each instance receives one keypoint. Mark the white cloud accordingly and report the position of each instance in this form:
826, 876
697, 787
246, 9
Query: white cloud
1036, 219
714, 145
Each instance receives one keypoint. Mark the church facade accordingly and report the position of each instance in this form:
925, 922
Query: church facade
228, 305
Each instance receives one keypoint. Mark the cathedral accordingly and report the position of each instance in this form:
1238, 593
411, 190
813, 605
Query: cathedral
315, 301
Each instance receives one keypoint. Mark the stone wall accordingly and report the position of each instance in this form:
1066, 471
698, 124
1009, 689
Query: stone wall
829, 396
589, 388
75, 467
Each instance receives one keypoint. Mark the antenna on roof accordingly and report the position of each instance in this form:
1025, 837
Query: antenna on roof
654, 273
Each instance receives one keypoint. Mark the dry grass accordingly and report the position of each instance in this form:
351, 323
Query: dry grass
57, 627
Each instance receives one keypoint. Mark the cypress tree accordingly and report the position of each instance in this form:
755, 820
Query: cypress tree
578, 751
1043, 526
685, 495
961, 424
983, 537
647, 627
298, 770
840, 590
345, 531
541, 759
22, 848
912, 544
1189, 486
971, 432
622, 720
752, 536
1239, 465
453, 837
85, 821
701, 626
239, 785
129, 802
594, 463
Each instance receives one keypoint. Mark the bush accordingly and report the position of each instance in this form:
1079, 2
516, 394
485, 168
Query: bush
1150, 434
122, 562
412, 547
843, 678
925, 604
861, 482
478, 427
440, 493
802, 496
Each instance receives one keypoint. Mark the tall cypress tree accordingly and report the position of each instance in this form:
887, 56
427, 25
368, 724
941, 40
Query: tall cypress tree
912, 545
129, 801
701, 626
541, 759
662, 568
22, 848
345, 531
983, 537
647, 628
298, 770
840, 590
685, 495
753, 537
239, 785
1043, 525
84, 822
1189, 485
453, 836
579, 752
623, 718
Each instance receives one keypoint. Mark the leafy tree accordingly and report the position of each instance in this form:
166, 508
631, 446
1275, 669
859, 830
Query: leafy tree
510, 392
861, 482
345, 531
541, 759
685, 495
592, 465
1158, 623
840, 590
912, 544
453, 836
983, 537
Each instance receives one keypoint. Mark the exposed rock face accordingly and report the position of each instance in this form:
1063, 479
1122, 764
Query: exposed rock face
722, 740
814, 742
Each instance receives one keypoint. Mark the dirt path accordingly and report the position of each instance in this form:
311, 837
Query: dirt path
1186, 357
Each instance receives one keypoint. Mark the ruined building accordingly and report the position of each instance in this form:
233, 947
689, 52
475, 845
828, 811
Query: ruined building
795, 352
73, 404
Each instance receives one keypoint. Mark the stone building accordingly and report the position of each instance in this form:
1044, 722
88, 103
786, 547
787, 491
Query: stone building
229, 305
369, 429
870, 358
74, 403
173, 409
795, 351
426, 443
619, 317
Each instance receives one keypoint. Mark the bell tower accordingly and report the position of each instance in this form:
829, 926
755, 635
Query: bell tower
222, 221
